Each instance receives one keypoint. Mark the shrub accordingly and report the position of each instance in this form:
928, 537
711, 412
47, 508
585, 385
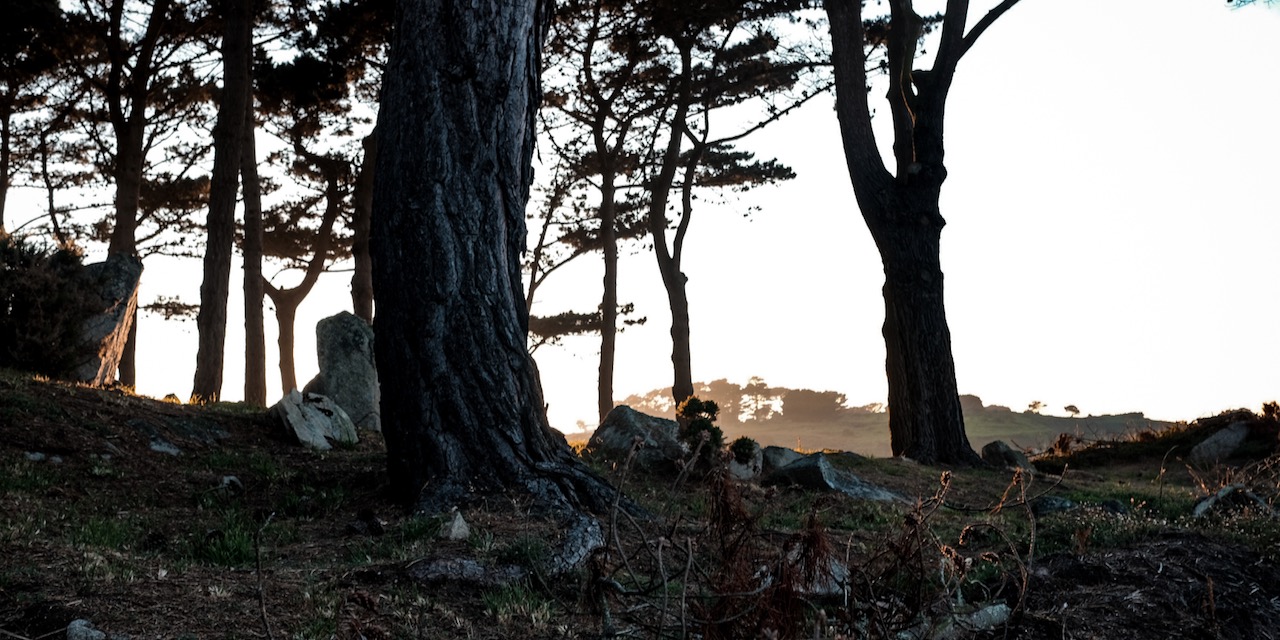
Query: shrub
45, 298
743, 449
698, 417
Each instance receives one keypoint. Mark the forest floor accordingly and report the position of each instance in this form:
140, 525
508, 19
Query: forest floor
161, 520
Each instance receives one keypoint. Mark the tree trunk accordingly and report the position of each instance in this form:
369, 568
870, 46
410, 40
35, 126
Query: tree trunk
925, 420
5, 152
286, 303
255, 347
462, 405
228, 139
362, 213
609, 301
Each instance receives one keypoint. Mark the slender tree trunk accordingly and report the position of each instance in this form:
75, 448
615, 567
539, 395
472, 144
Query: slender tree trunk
286, 319
255, 347
228, 140
5, 153
362, 213
609, 301
462, 405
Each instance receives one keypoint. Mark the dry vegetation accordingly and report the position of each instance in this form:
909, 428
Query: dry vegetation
305, 545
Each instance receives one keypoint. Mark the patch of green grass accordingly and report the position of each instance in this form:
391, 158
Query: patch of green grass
518, 606
259, 463
228, 543
26, 477
104, 532
309, 501
530, 552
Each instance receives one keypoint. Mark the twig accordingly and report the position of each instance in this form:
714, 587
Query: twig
262, 590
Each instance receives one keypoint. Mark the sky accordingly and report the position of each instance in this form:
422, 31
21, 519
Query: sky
1113, 237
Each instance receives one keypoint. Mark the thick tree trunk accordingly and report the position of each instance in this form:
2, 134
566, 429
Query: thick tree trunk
681, 347
5, 152
362, 214
925, 421
255, 346
220, 225
462, 406
609, 301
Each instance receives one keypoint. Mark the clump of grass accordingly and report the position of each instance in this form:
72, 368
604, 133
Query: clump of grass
518, 606
104, 532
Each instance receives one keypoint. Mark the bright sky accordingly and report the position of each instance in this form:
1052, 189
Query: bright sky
1113, 237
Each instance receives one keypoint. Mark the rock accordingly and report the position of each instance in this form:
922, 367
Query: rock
775, 458
816, 472
749, 469
456, 529
314, 420
660, 451
104, 335
999, 454
1233, 497
83, 630
1045, 505
582, 536
463, 571
36, 456
160, 445
1219, 446
348, 375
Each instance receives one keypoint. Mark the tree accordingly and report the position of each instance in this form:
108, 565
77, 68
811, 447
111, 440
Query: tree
807, 405
901, 207
1072, 409
462, 406
220, 225
1035, 406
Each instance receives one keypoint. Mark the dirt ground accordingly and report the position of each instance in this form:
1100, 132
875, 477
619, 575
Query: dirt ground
98, 521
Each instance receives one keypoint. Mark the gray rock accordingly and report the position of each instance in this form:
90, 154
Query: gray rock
1233, 497
751, 468
1219, 446
456, 529
348, 375
463, 571
104, 335
999, 454
660, 451
775, 458
160, 445
83, 630
582, 536
1044, 505
816, 472
36, 456
314, 420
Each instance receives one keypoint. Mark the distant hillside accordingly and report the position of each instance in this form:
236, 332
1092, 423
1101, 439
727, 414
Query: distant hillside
807, 419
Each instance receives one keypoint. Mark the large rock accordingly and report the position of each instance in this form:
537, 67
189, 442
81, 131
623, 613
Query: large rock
775, 458
999, 454
816, 472
750, 469
1221, 445
315, 420
660, 450
105, 334
348, 376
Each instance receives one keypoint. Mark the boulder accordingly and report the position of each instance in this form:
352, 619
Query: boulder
104, 335
456, 529
774, 458
314, 420
1219, 446
816, 472
999, 454
348, 376
1045, 505
660, 450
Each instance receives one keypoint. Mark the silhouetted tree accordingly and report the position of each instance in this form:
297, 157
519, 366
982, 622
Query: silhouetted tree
901, 207
462, 406
1072, 409
807, 405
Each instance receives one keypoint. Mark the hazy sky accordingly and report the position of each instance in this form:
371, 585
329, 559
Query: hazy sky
1113, 236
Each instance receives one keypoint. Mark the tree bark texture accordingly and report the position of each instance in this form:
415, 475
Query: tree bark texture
462, 406
220, 225
361, 217
902, 212
609, 300
255, 342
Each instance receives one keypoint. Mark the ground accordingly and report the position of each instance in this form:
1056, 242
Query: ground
155, 519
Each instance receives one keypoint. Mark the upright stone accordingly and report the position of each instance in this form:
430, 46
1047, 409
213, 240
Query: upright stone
344, 348
105, 334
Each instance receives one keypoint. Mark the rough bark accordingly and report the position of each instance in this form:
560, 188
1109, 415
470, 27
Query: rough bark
362, 214
5, 117
220, 224
901, 210
255, 347
609, 299
462, 405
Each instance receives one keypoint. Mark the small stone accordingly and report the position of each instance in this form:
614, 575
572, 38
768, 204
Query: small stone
36, 456
1045, 505
83, 630
456, 529
160, 445
231, 485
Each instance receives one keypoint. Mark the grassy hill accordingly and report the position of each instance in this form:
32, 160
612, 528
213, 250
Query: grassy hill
868, 433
